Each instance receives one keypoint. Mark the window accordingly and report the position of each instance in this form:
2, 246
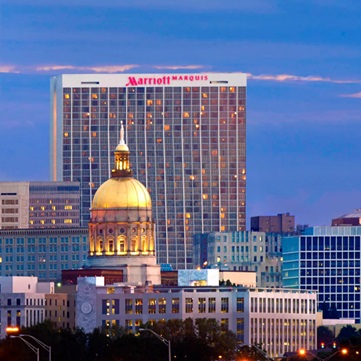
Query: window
240, 304
152, 306
211, 305
201, 305
128, 306
175, 305
224, 304
139, 306
162, 304
189, 305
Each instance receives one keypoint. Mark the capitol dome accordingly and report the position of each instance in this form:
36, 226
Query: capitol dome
121, 193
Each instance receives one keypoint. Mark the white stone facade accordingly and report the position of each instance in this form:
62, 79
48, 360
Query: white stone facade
281, 320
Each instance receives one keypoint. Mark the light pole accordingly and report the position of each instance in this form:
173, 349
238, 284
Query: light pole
33, 348
42, 344
159, 337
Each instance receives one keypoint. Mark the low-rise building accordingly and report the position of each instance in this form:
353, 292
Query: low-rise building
22, 301
281, 320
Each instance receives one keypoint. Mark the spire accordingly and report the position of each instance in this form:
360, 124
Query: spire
121, 141
121, 158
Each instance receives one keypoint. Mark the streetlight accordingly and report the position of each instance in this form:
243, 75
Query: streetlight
13, 332
33, 348
42, 344
159, 337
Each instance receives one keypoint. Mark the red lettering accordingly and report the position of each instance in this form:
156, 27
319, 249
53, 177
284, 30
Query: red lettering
131, 81
166, 80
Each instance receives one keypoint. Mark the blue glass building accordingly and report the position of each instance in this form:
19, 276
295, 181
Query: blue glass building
326, 259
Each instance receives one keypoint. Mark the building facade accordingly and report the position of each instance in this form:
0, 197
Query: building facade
281, 320
39, 205
188, 137
22, 301
241, 251
328, 260
281, 223
42, 253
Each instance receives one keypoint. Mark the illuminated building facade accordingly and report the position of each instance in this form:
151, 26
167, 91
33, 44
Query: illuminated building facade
328, 260
39, 205
187, 133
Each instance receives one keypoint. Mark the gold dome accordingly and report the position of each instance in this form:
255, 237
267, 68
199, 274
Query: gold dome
124, 192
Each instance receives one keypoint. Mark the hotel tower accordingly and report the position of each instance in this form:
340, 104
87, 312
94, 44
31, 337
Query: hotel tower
187, 133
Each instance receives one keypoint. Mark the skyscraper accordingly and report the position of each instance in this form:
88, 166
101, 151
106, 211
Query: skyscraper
187, 133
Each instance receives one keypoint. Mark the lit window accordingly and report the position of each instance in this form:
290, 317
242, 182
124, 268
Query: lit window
31, 208
42, 208
188, 215
191, 177
68, 207
167, 127
53, 221
205, 196
94, 134
186, 115
149, 102
42, 222
204, 95
68, 221
159, 140
66, 134
53, 208
66, 96
94, 96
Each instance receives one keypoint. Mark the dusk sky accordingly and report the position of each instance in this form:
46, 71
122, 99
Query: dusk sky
303, 60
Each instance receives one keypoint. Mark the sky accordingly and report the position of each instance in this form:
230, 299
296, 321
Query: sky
302, 58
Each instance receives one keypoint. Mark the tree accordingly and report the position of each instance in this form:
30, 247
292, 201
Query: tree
325, 336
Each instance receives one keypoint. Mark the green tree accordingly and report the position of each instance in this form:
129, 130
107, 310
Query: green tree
325, 336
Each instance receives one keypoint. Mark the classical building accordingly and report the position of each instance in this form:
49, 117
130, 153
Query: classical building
188, 137
42, 253
281, 223
326, 260
121, 227
39, 205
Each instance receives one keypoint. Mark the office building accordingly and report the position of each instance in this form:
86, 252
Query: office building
241, 251
39, 205
42, 253
326, 259
281, 223
279, 320
187, 133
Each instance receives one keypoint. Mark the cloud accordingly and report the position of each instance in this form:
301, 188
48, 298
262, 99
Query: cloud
96, 69
355, 95
8, 69
178, 67
298, 78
